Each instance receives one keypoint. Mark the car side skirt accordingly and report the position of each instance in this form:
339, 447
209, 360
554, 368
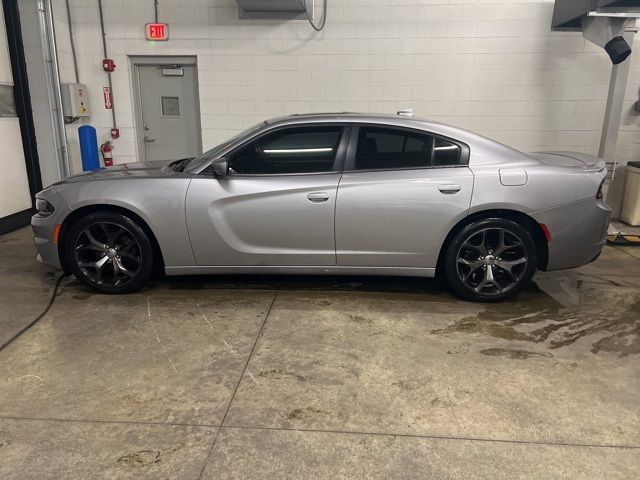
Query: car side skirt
302, 270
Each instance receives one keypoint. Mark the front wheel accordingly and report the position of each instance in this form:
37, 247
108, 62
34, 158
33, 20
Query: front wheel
490, 260
109, 252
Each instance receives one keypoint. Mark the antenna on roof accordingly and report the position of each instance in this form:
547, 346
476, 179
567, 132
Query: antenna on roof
405, 112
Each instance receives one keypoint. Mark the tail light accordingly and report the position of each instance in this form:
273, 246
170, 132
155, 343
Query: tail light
600, 195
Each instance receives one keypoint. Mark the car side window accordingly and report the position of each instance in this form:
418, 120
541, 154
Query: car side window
445, 154
289, 150
387, 148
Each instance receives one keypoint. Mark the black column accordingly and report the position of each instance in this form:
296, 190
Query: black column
22, 101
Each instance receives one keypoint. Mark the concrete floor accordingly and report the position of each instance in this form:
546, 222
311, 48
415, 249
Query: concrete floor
252, 377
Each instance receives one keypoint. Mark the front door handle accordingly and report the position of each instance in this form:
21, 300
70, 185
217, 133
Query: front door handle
449, 188
318, 197
148, 139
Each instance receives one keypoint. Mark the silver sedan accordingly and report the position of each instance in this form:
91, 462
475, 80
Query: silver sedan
332, 194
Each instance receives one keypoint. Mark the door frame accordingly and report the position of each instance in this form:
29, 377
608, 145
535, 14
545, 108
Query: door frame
24, 113
137, 61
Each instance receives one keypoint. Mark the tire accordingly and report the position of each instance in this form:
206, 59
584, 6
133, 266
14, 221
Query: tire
490, 260
109, 252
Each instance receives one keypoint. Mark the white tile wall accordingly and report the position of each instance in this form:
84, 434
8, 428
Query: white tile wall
489, 65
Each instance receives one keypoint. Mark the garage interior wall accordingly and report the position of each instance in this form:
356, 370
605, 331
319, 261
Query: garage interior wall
15, 195
491, 66
38, 90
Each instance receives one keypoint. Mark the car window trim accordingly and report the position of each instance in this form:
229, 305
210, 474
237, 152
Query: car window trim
350, 160
338, 162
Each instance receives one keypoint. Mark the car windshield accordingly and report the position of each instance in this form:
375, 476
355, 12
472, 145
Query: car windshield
196, 163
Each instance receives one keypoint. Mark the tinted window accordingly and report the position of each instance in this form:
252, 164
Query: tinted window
445, 153
290, 150
384, 148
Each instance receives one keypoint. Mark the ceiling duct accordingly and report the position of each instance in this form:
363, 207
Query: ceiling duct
568, 14
603, 22
276, 8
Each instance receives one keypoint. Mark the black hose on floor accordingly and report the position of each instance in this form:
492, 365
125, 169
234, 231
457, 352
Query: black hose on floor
39, 317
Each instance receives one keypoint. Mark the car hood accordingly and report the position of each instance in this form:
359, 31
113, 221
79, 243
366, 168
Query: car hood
125, 170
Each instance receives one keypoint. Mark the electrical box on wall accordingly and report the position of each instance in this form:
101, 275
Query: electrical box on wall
75, 100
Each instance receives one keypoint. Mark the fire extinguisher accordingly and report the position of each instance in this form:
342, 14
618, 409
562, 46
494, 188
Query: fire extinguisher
107, 153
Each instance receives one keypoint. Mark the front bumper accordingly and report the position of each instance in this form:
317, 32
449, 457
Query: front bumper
578, 232
44, 227
43, 240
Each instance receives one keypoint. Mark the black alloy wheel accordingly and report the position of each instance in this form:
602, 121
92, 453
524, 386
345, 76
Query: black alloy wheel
490, 259
109, 252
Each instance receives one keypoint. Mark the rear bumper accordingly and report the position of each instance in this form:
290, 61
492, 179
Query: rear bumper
578, 232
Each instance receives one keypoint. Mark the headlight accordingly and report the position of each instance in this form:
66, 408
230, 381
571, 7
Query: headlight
43, 207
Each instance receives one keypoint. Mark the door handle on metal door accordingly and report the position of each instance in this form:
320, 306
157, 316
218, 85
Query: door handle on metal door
449, 188
318, 197
149, 139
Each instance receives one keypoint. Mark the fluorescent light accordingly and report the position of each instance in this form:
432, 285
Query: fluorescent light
299, 150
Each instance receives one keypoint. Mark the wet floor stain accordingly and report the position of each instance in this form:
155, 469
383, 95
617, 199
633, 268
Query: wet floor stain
360, 319
302, 413
608, 317
513, 354
140, 458
281, 374
5, 439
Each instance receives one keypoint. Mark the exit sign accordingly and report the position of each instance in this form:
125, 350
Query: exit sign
157, 31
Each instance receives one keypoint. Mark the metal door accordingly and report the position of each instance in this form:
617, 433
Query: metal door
262, 220
398, 218
169, 112
254, 218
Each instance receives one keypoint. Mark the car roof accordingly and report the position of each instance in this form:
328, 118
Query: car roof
383, 118
396, 120
497, 150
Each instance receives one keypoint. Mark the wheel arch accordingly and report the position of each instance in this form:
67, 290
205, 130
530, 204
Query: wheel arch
520, 218
78, 213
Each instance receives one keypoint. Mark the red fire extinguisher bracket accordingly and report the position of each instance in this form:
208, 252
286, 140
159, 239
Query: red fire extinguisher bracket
106, 149
108, 65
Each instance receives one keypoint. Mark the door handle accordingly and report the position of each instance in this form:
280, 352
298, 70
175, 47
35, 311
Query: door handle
149, 139
318, 197
449, 188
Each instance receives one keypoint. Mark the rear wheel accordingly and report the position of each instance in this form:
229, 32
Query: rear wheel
109, 252
490, 259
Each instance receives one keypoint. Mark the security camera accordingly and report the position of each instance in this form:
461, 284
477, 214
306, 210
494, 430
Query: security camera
607, 32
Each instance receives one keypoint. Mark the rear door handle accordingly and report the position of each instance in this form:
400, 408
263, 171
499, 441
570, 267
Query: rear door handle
318, 197
449, 188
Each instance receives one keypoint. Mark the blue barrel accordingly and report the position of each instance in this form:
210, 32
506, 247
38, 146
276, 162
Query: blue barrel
89, 148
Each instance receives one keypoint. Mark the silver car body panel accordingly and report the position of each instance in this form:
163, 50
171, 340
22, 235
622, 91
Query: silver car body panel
262, 220
374, 207
385, 222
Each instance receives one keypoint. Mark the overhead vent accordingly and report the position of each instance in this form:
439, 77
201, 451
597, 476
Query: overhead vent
603, 22
568, 14
276, 8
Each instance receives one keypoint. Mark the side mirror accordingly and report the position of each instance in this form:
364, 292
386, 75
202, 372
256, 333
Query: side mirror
220, 167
